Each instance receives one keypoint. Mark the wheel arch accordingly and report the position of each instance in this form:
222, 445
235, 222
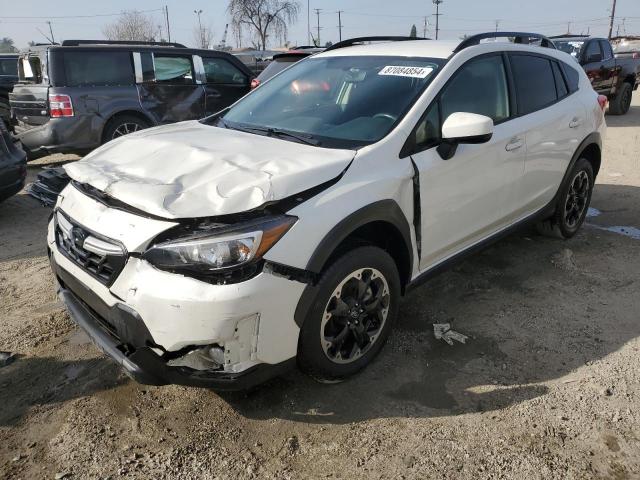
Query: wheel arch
381, 224
120, 113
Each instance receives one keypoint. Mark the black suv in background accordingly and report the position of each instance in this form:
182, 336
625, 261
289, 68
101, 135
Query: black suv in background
73, 97
614, 77
8, 78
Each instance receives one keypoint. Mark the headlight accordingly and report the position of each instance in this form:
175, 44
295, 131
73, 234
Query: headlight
220, 249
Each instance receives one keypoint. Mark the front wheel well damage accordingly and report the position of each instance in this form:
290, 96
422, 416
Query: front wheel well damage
380, 234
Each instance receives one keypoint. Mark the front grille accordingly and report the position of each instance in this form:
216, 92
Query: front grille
100, 257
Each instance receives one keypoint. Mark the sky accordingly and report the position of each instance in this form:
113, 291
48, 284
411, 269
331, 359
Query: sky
22, 20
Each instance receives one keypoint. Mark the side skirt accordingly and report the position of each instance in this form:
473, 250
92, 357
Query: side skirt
446, 264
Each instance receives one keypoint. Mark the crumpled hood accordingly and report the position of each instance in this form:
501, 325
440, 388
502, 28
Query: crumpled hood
190, 170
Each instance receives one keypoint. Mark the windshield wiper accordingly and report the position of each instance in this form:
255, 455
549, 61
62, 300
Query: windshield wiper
276, 132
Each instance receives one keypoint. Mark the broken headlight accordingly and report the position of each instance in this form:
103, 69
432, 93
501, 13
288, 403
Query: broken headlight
218, 250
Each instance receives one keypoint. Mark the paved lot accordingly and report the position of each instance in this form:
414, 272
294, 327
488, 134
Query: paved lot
548, 385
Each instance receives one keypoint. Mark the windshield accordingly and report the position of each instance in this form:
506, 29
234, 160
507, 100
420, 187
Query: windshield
572, 47
9, 66
334, 102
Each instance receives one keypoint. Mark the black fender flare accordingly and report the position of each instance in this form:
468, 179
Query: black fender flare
381, 211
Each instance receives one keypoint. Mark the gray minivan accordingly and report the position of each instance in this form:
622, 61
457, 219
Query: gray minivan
73, 97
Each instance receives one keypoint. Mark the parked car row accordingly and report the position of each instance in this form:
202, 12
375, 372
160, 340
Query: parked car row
285, 229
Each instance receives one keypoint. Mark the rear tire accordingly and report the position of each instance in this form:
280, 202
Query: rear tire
573, 204
355, 306
622, 101
122, 125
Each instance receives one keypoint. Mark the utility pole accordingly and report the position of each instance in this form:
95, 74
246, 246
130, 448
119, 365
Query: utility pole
497, 25
318, 10
568, 28
166, 18
437, 4
340, 23
426, 25
309, 22
53, 40
613, 16
198, 13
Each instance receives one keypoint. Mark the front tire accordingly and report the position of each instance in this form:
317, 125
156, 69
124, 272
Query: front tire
353, 312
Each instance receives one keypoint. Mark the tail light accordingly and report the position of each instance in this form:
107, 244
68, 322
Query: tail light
602, 100
60, 106
255, 83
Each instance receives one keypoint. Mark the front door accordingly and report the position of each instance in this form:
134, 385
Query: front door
174, 95
469, 196
224, 83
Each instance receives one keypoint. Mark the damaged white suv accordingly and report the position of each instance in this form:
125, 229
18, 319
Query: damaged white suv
286, 228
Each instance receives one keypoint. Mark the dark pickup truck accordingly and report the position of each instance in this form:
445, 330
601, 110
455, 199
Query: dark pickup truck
614, 77
8, 78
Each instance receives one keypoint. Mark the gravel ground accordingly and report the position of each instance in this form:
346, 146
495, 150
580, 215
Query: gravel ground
547, 386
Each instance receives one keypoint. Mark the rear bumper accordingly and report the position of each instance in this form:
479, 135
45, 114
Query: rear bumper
140, 362
60, 135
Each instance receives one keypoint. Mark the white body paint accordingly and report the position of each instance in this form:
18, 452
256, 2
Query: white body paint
192, 170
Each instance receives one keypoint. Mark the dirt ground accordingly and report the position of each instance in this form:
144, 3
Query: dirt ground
547, 386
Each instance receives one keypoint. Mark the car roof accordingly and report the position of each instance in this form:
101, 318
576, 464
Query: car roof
9, 55
409, 48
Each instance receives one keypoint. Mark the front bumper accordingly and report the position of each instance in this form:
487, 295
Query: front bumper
128, 344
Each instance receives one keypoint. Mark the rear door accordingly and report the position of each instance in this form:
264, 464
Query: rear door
555, 118
224, 83
172, 94
29, 99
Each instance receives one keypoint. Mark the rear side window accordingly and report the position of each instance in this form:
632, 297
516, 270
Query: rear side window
561, 87
479, 86
572, 76
94, 68
535, 83
221, 71
173, 69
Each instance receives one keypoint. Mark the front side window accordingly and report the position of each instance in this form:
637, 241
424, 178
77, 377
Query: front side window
338, 102
535, 83
173, 69
607, 51
479, 86
592, 52
221, 71
95, 68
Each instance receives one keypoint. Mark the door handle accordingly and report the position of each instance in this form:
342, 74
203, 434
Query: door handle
514, 144
575, 123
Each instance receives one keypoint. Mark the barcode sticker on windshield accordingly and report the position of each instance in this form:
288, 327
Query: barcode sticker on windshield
413, 72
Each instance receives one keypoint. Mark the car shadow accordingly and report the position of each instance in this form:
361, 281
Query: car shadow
536, 309
35, 382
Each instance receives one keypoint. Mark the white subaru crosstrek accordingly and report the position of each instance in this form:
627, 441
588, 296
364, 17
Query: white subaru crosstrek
286, 228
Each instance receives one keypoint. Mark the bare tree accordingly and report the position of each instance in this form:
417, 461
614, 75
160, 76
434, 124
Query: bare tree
263, 17
203, 38
131, 25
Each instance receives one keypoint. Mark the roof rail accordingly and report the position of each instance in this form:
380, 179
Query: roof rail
77, 43
353, 41
570, 35
518, 37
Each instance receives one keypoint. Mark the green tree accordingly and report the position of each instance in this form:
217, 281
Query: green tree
414, 32
6, 45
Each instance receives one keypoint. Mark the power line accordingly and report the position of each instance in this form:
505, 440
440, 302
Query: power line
81, 16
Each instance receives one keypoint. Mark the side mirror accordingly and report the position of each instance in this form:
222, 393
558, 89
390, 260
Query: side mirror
462, 127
